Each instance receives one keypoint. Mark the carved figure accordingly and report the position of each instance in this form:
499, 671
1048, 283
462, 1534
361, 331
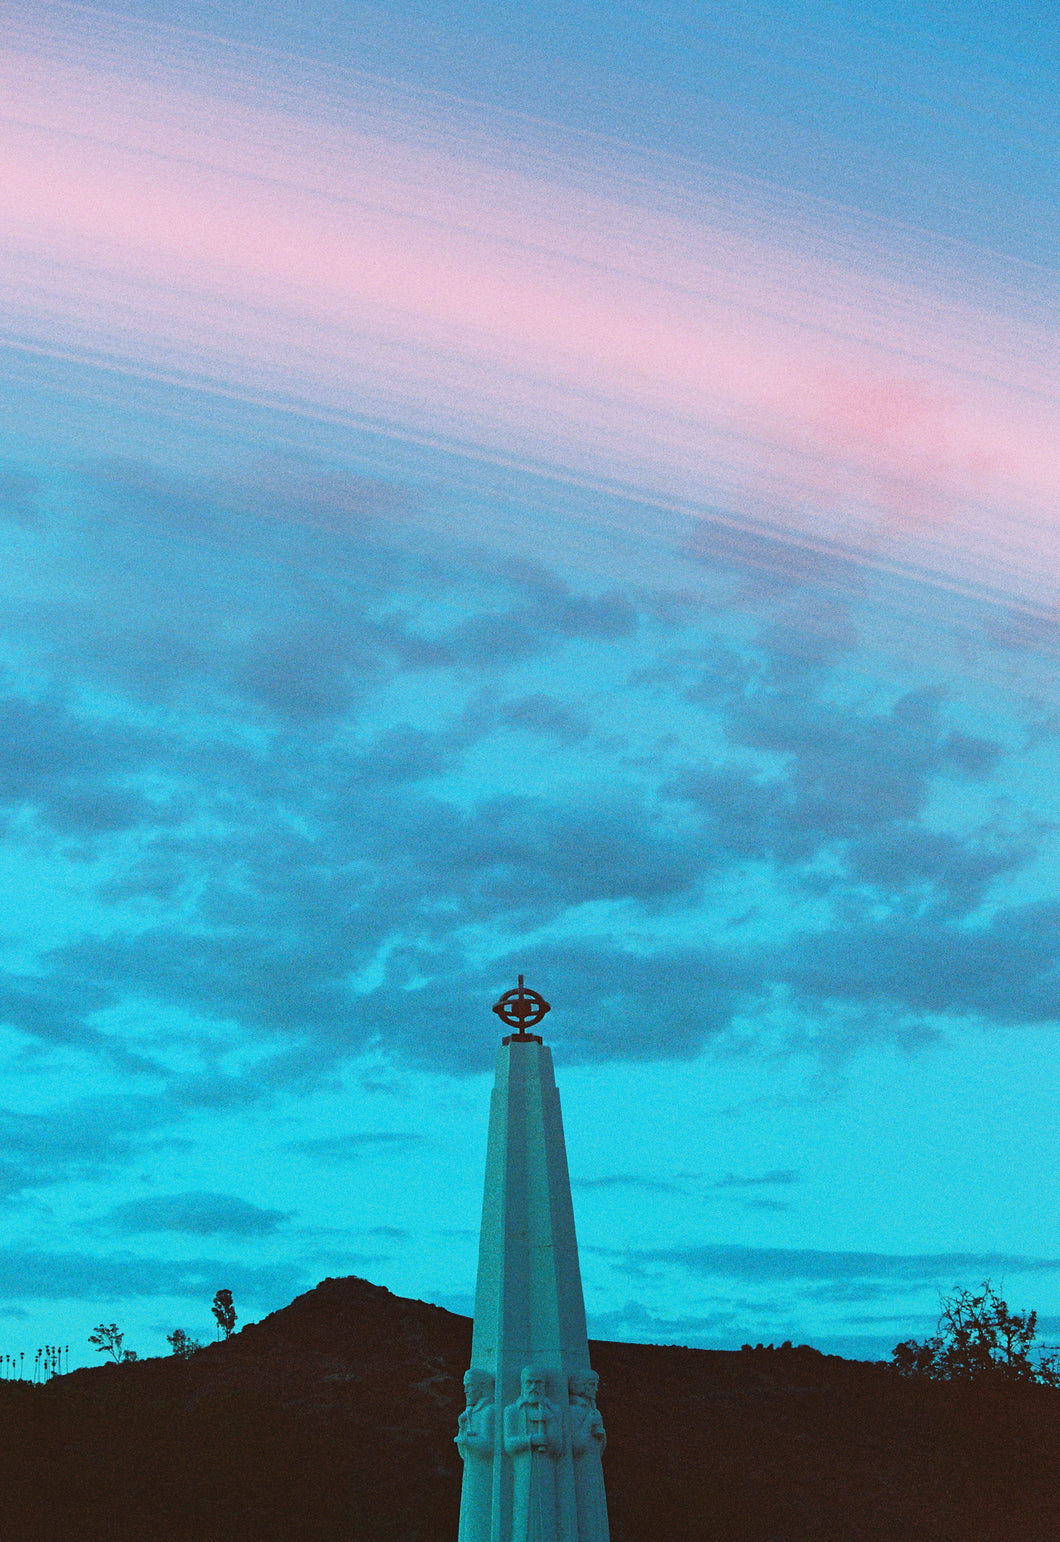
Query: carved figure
533, 1438
587, 1442
474, 1441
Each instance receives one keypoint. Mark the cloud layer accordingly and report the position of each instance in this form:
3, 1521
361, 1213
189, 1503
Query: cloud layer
325, 807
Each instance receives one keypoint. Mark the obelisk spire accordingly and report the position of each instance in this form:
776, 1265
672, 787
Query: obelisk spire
531, 1435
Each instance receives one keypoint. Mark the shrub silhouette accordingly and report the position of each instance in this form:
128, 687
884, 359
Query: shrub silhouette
181, 1344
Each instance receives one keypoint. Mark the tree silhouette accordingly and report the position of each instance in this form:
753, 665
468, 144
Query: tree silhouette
108, 1341
225, 1312
979, 1339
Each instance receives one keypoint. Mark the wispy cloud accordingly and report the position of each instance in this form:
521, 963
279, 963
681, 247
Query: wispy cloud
82, 1139
629, 1181
765, 1264
354, 1147
197, 1214
782, 1175
29, 1273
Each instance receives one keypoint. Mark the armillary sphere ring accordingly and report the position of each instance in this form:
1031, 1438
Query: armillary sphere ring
521, 1008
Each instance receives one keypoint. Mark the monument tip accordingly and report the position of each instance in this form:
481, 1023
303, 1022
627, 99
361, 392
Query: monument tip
521, 1009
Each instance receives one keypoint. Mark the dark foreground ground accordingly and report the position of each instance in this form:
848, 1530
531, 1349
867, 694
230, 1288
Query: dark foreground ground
334, 1419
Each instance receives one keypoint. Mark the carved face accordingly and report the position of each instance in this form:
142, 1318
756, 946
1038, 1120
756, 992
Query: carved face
583, 1388
533, 1382
478, 1386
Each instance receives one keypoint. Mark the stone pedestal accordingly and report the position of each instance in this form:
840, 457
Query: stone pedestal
536, 1475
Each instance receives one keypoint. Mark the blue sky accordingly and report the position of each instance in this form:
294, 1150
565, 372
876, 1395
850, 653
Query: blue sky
568, 494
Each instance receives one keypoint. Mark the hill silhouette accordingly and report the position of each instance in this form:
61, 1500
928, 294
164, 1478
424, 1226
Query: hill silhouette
332, 1420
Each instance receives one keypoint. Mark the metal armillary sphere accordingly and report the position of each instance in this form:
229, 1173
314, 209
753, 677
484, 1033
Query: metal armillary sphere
521, 1009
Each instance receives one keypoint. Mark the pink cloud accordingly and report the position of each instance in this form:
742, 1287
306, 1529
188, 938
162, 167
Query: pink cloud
371, 256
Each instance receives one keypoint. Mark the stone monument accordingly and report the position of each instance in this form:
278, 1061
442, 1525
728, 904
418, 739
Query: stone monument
531, 1436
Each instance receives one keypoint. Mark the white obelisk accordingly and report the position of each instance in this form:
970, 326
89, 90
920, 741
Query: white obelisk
531, 1436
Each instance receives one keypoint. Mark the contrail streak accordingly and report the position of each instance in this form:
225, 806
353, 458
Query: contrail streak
343, 247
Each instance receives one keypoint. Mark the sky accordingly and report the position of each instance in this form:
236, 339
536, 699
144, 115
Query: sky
567, 490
